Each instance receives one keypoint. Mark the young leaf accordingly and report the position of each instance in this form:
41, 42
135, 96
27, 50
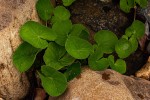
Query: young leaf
44, 9
57, 57
111, 59
123, 48
53, 82
67, 2
100, 64
24, 56
138, 28
36, 34
119, 66
78, 48
96, 62
73, 71
106, 40
126, 5
80, 31
129, 31
62, 29
61, 13
125, 37
134, 43
142, 3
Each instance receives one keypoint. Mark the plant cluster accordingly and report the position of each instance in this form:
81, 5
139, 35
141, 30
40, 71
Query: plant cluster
126, 5
65, 43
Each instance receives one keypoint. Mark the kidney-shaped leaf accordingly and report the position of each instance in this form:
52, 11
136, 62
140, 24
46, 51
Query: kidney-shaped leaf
96, 62
78, 48
73, 71
62, 29
57, 57
53, 82
100, 64
119, 66
36, 34
134, 43
128, 32
80, 31
138, 28
24, 56
123, 48
44, 9
67, 2
142, 3
111, 59
107, 40
61, 13
126, 5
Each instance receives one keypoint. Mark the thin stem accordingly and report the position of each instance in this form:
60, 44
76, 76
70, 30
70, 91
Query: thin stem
46, 23
135, 12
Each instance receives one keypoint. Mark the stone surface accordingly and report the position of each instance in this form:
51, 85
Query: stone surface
146, 12
106, 85
144, 72
13, 13
139, 88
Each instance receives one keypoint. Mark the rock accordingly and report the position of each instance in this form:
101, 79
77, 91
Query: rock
139, 88
105, 85
40, 94
146, 12
144, 72
13, 13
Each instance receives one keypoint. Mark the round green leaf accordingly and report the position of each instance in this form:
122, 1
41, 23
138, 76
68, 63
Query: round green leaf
96, 62
24, 56
80, 31
142, 3
100, 64
129, 31
73, 71
57, 57
107, 40
53, 82
123, 48
111, 60
126, 5
61, 13
67, 2
134, 43
36, 34
44, 9
78, 48
119, 66
138, 28
62, 29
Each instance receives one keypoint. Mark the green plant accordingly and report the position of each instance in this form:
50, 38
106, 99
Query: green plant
65, 44
107, 42
126, 5
56, 41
